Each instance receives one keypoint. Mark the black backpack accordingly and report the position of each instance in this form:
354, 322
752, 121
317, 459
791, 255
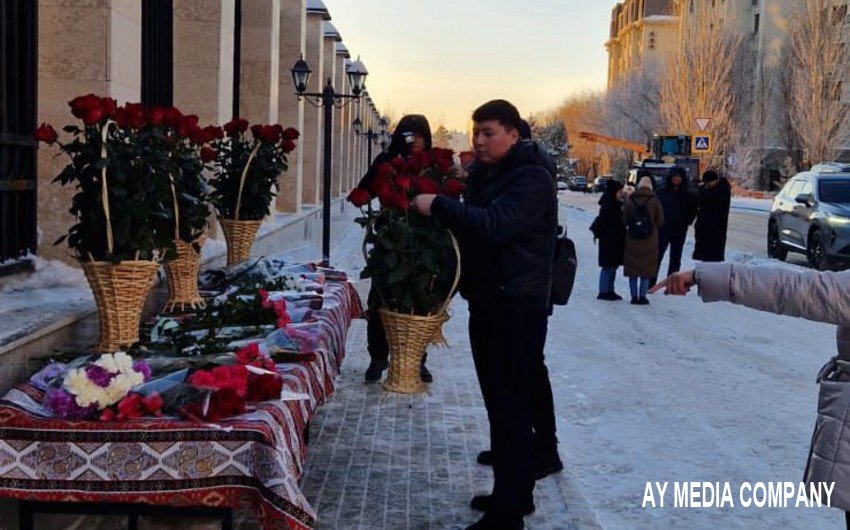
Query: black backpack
563, 268
639, 225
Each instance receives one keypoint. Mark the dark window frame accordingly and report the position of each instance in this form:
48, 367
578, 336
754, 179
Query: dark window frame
157, 53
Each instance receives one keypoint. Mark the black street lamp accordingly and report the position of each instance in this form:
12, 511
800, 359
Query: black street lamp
371, 136
328, 99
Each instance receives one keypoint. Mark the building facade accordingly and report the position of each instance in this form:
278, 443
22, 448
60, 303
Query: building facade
218, 59
642, 33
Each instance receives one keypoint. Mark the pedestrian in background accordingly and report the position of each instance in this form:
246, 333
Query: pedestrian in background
411, 135
714, 199
643, 216
609, 230
817, 296
680, 209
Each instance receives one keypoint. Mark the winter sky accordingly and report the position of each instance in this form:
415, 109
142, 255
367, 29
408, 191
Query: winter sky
443, 58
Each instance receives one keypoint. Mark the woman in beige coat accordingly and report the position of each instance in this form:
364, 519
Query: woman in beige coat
818, 296
641, 252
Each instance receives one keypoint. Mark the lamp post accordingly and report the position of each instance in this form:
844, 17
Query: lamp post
371, 136
328, 99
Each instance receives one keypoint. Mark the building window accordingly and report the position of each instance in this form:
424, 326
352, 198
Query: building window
756, 22
157, 53
18, 111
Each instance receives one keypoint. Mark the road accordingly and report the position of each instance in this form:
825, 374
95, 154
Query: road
682, 391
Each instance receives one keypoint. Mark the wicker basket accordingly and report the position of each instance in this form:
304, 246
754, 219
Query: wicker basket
182, 274
120, 290
409, 335
240, 238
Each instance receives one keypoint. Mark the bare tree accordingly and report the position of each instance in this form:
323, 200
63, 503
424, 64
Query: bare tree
818, 62
585, 112
700, 82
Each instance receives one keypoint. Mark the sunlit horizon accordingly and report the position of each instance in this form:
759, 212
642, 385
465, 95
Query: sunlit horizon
443, 58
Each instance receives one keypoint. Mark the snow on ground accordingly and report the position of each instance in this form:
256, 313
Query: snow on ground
748, 203
681, 391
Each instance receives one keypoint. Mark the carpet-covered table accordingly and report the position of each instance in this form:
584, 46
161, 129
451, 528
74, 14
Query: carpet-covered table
251, 461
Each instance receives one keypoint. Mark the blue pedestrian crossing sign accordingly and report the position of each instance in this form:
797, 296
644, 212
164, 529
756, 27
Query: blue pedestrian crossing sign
701, 144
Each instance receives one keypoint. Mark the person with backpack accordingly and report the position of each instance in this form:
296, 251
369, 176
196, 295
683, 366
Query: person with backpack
643, 216
609, 230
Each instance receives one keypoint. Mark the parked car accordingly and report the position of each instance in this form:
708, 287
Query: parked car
562, 185
811, 215
579, 183
599, 184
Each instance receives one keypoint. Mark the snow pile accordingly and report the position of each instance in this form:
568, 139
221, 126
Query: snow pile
49, 274
748, 203
213, 248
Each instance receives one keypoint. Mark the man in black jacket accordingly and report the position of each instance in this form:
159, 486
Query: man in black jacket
506, 229
680, 209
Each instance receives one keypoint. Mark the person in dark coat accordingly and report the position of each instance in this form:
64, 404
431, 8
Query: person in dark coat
680, 209
715, 197
609, 229
641, 254
411, 135
507, 229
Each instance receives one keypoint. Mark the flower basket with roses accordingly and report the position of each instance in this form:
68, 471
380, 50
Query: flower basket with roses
123, 167
246, 175
413, 260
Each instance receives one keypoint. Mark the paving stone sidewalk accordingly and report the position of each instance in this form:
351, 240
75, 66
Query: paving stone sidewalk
382, 460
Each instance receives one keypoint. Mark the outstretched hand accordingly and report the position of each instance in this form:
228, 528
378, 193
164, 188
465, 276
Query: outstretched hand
678, 283
422, 203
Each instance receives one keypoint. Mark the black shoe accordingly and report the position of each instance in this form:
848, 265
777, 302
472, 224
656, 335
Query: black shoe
425, 374
606, 296
643, 301
635, 300
498, 522
482, 504
485, 458
615, 296
376, 368
547, 465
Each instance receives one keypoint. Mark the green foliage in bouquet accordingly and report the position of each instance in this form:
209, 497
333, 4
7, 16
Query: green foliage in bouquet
264, 155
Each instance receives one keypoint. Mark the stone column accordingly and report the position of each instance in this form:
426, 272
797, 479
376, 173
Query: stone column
311, 140
293, 25
351, 113
260, 52
331, 37
342, 122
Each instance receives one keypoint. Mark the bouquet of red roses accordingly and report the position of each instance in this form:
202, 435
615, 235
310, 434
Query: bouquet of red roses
412, 260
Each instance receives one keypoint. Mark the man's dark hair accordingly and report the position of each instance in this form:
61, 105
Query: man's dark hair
678, 172
524, 130
499, 110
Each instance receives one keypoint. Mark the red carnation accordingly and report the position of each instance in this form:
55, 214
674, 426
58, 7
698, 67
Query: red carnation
291, 134
225, 403
426, 185
237, 126
264, 387
131, 407
287, 146
153, 404
46, 133
202, 378
208, 154
453, 188
358, 197
186, 125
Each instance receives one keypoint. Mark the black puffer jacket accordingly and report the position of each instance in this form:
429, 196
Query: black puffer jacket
506, 228
680, 207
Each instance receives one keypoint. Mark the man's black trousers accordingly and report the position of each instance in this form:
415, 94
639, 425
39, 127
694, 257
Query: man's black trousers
507, 337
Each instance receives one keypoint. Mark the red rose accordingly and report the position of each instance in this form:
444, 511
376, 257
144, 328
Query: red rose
198, 136
46, 133
172, 116
453, 188
267, 133
287, 146
400, 200
237, 126
187, 124
153, 404
202, 378
214, 133
264, 387
109, 107
358, 197
156, 116
426, 185
225, 403
87, 108
466, 158
385, 170
131, 407
398, 163
290, 134
107, 415
381, 185
208, 154
248, 354
404, 182
444, 165
413, 165
130, 116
